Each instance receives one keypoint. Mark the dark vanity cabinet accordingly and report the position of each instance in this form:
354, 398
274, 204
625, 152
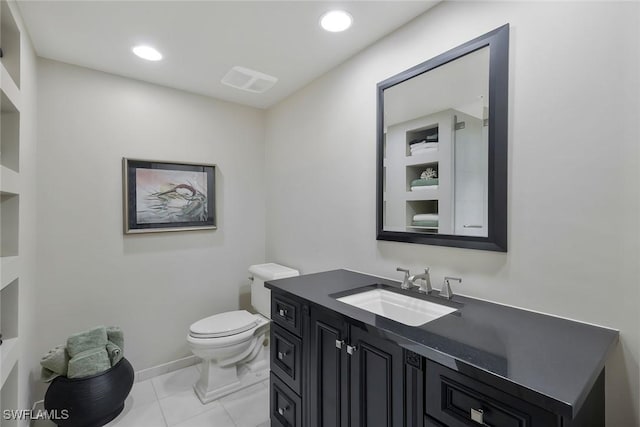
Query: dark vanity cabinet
356, 377
289, 364
456, 400
330, 370
326, 371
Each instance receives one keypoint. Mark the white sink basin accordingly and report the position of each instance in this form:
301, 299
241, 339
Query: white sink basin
401, 308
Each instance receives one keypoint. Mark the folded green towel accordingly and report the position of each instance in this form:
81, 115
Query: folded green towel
56, 360
115, 335
89, 362
431, 223
423, 182
88, 340
115, 353
47, 375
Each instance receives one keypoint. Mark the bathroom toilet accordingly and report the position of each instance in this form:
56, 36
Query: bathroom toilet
232, 344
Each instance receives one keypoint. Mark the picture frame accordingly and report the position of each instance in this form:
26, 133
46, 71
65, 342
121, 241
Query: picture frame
168, 196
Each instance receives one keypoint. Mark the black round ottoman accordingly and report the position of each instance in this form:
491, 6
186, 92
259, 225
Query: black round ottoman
91, 401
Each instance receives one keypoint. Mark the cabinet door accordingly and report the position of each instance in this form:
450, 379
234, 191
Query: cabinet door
377, 386
328, 384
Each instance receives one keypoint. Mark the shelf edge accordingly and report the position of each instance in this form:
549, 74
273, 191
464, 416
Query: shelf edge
9, 87
8, 358
9, 270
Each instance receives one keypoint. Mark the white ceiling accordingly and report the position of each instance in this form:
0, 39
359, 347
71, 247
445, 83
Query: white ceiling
202, 40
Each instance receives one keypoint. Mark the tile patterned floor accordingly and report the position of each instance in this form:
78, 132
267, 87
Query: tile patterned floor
169, 401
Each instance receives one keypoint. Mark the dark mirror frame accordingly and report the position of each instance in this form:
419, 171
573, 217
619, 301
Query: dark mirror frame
496, 240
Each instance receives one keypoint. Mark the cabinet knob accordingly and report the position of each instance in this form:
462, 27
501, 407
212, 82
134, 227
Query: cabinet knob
351, 349
282, 312
281, 354
339, 344
281, 411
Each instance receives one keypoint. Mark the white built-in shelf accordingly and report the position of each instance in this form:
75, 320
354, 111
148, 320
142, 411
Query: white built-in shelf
10, 38
9, 134
428, 194
10, 265
9, 87
422, 159
9, 352
9, 270
9, 181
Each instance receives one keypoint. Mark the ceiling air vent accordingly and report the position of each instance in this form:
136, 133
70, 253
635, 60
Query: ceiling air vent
249, 80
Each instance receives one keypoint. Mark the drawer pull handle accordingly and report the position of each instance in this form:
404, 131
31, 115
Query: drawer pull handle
351, 349
339, 344
281, 354
477, 415
282, 313
281, 411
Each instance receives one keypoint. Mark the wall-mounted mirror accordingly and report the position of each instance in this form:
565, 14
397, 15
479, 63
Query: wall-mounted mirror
442, 148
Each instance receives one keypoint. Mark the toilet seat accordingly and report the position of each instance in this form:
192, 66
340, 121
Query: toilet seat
224, 325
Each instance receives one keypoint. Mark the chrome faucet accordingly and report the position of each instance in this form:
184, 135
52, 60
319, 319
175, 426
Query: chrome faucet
426, 281
446, 291
405, 281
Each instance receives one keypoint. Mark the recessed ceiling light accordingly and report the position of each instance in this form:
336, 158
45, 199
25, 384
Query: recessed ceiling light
336, 21
148, 53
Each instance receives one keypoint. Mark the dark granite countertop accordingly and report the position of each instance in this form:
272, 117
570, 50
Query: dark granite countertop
549, 361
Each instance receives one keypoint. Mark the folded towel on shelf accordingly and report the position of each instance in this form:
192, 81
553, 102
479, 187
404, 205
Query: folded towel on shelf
88, 340
424, 144
115, 353
430, 224
56, 360
423, 151
424, 182
89, 363
115, 335
425, 217
424, 187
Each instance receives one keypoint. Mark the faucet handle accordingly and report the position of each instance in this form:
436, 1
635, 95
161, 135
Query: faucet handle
405, 280
446, 291
427, 282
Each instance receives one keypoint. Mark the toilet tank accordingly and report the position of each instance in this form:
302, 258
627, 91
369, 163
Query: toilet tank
261, 296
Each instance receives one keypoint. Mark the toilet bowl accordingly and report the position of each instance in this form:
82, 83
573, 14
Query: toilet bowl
233, 345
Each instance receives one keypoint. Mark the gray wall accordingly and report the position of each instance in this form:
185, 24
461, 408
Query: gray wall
574, 184
152, 285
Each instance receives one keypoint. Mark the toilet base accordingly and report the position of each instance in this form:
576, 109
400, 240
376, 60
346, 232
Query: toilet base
244, 377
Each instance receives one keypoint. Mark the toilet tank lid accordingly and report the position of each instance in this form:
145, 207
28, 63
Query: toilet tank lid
223, 324
272, 271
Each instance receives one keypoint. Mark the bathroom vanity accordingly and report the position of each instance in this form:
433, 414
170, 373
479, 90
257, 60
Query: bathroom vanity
334, 364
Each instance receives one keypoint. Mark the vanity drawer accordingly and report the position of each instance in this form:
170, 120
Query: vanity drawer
430, 422
286, 357
286, 313
285, 406
457, 400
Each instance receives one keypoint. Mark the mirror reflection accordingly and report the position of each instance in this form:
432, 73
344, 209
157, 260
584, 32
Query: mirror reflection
436, 163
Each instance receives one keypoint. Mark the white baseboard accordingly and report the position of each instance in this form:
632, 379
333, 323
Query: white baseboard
174, 365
